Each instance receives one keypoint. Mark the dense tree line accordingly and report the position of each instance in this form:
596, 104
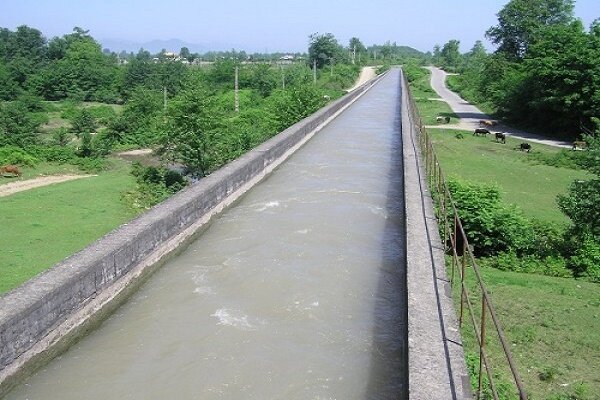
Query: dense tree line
184, 112
544, 73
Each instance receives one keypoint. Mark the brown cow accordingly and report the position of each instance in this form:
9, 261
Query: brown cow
10, 169
488, 122
579, 145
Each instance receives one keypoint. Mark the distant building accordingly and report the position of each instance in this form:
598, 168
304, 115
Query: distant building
287, 59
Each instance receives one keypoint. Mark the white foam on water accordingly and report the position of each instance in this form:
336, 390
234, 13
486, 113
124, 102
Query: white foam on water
234, 318
270, 204
204, 290
303, 231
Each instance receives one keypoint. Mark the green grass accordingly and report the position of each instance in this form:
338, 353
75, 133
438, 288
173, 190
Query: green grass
552, 326
44, 225
532, 187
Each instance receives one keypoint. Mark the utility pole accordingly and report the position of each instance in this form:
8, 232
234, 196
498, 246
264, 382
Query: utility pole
165, 98
315, 71
282, 77
236, 92
331, 62
353, 54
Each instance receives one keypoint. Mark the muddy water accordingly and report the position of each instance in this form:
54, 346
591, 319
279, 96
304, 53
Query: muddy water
295, 293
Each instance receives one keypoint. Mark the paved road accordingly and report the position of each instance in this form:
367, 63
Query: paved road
470, 115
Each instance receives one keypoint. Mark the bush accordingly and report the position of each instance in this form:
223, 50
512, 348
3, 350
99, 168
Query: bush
84, 122
16, 156
61, 136
154, 184
586, 260
490, 226
509, 261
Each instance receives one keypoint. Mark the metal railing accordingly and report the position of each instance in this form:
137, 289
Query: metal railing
472, 288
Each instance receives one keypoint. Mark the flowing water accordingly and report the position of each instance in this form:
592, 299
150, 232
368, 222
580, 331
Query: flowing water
297, 292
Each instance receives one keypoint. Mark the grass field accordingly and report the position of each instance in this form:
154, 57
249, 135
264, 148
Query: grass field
533, 187
553, 329
42, 226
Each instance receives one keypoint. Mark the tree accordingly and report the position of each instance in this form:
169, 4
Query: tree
84, 72
357, 49
323, 49
185, 54
519, 21
436, 58
18, 126
450, 55
561, 84
188, 135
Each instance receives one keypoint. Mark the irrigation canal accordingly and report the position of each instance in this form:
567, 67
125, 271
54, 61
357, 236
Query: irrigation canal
296, 292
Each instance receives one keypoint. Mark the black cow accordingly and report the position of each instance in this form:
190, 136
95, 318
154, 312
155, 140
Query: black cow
525, 147
501, 137
481, 131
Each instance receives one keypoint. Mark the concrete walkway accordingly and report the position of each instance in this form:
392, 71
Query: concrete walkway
436, 361
470, 115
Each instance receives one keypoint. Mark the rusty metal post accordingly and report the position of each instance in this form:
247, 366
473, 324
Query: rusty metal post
482, 345
454, 251
462, 281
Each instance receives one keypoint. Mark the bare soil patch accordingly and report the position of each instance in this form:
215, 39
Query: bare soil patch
20, 186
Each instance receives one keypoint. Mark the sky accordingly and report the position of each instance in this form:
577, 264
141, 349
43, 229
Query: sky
269, 25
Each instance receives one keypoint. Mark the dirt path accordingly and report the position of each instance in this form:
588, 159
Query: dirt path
366, 74
20, 186
470, 115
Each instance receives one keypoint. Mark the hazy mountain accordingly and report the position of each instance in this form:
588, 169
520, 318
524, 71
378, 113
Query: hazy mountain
155, 46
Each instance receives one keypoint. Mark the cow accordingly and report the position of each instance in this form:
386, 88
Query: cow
447, 120
488, 122
481, 131
500, 136
579, 145
439, 119
525, 147
10, 169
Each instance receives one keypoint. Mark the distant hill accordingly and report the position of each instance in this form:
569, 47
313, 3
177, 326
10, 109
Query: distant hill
156, 46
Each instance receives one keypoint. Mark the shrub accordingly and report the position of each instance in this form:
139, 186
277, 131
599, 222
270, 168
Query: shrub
154, 184
490, 226
509, 261
586, 260
83, 122
17, 156
61, 137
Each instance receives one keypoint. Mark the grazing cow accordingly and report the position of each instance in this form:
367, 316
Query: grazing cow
501, 137
447, 120
525, 147
10, 169
488, 122
481, 131
439, 119
579, 145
